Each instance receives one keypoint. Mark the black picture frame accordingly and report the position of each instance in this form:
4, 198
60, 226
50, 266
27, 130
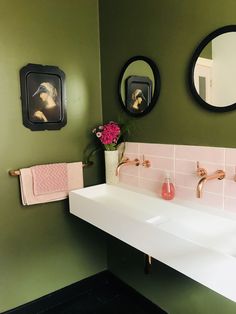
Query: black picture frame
138, 93
43, 97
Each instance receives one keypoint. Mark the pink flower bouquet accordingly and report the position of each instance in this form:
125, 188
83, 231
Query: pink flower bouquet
108, 134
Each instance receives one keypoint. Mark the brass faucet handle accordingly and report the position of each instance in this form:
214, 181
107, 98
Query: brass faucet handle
221, 174
201, 172
124, 159
136, 162
146, 163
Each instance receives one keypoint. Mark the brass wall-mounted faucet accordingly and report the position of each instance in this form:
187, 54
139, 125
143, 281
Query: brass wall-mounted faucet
201, 172
136, 162
125, 162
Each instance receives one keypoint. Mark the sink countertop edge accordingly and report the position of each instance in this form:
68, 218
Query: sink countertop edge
193, 260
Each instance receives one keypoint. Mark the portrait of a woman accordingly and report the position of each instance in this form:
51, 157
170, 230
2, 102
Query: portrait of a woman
138, 91
43, 97
137, 99
46, 107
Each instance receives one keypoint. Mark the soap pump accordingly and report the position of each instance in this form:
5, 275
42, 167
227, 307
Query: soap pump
168, 189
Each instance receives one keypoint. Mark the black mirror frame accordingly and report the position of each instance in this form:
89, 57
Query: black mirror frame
201, 46
157, 88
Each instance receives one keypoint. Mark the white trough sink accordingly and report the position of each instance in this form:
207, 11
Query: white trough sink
200, 243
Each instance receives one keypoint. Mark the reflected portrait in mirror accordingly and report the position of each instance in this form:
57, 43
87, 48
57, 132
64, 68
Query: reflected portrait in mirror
139, 86
213, 70
138, 93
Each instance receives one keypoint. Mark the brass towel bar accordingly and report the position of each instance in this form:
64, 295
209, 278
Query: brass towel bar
15, 173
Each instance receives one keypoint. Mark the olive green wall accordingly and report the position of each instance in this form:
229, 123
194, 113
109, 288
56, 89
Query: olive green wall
43, 247
172, 291
167, 32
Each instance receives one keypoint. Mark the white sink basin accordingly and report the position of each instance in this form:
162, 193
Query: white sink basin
200, 243
201, 228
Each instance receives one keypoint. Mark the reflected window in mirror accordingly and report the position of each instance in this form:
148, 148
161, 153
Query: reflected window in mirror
139, 86
213, 70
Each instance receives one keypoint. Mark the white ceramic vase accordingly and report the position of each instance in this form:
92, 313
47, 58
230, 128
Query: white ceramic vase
111, 162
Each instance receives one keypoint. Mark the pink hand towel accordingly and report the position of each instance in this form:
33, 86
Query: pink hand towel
75, 181
27, 193
75, 175
50, 178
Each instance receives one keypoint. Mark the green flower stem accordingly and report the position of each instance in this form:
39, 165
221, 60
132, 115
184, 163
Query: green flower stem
110, 147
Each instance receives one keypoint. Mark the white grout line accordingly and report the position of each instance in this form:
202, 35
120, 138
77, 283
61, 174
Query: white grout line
231, 197
201, 161
139, 171
223, 202
185, 187
129, 175
206, 191
158, 156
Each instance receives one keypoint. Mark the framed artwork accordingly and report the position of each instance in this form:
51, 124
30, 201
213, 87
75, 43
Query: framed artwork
43, 97
138, 94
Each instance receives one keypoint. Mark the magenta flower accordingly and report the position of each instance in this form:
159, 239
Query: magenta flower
108, 134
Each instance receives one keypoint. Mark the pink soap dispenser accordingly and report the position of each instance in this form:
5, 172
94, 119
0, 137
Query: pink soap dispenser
168, 189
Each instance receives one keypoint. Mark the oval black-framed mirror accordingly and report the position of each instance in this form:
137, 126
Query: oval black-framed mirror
212, 70
139, 86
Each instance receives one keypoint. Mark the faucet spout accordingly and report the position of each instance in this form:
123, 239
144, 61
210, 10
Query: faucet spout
126, 162
200, 186
219, 174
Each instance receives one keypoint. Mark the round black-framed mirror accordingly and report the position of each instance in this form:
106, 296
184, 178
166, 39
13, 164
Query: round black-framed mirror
212, 70
139, 86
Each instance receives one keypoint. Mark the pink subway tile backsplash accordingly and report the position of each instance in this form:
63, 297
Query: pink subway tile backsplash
150, 185
131, 171
212, 167
185, 166
181, 162
230, 188
230, 204
161, 162
153, 174
230, 156
190, 181
131, 148
185, 193
160, 150
130, 180
230, 172
214, 186
127, 169
190, 167
212, 200
186, 180
200, 153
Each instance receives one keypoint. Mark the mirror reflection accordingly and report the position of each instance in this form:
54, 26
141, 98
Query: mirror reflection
139, 86
213, 71
137, 68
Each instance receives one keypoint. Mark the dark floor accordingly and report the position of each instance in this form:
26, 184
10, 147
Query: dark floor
111, 298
